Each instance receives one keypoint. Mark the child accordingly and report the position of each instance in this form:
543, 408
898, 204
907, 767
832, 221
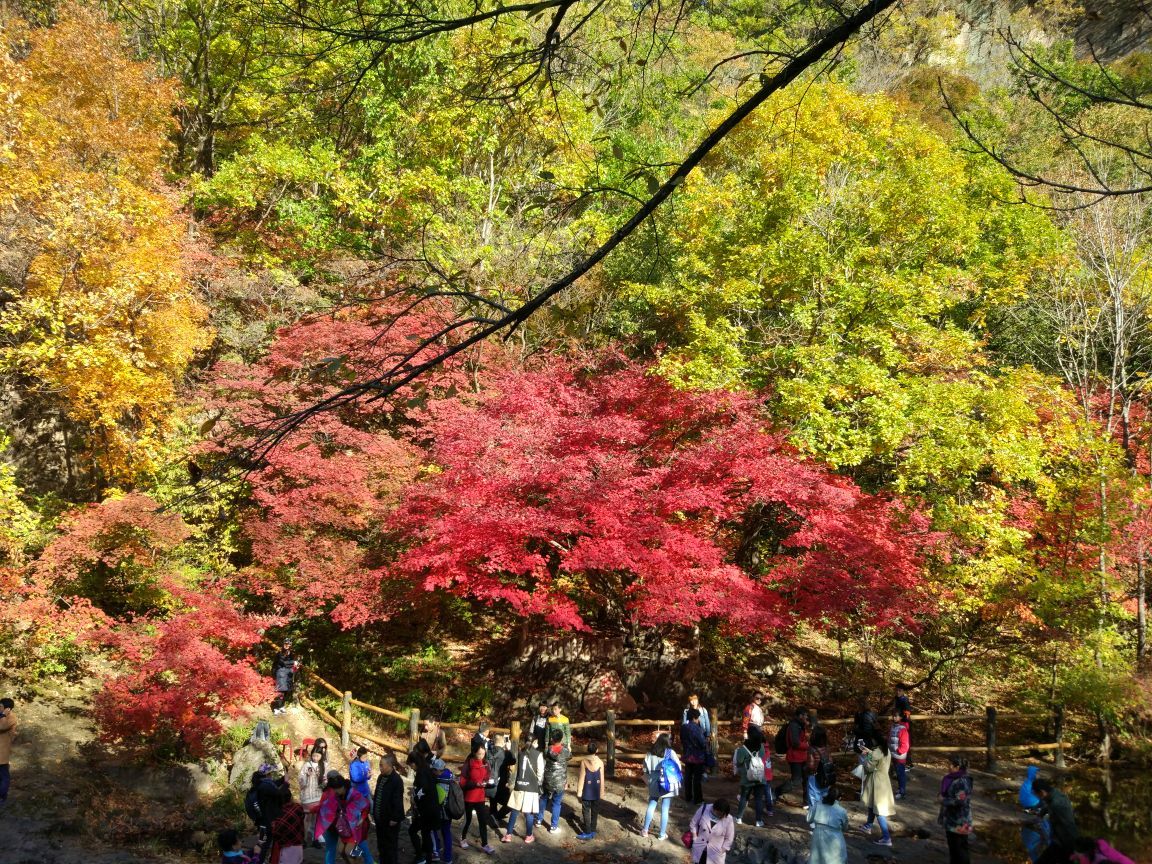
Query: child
590, 783
230, 851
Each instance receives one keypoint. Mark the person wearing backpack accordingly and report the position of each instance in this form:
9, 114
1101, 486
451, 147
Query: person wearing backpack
695, 744
956, 809
754, 771
713, 832
900, 742
451, 800
425, 802
474, 780
499, 767
590, 784
796, 754
555, 776
525, 797
821, 769
665, 775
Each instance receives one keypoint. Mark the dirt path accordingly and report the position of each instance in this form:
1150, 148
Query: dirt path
53, 789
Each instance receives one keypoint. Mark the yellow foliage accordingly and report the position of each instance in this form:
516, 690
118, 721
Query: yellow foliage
101, 316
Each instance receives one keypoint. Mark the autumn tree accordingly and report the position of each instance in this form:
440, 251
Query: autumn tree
98, 321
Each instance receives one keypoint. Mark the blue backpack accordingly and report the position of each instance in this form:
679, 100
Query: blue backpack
671, 778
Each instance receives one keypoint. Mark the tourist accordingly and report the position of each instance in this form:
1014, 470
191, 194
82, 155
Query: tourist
1061, 822
340, 799
899, 743
590, 783
821, 769
442, 839
695, 745
557, 720
713, 832
796, 754
284, 674
753, 718
388, 810
481, 739
555, 776
705, 719
262, 804
902, 708
660, 753
876, 788
360, 772
311, 781
288, 830
433, 736
7, 735
425, 803
228, 841
474, 780
499, 767
754, 771
525, 797
956, 809
828, 821
1100, 851
538, 726
863, 731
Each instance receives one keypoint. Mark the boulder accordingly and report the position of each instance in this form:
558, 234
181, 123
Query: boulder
248, 759
606, 692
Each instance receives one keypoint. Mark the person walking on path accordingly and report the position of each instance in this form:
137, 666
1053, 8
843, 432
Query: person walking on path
956, 809
713, 832
753, 719
902, 708
7, 736
695, 744
590, 784
343, 818
754, 771
899, 743
558, 720
474, 781
425, 804
525, 797
360, 772
442, 838
288, 831
556, 759
388, 810
284, 674
828, 821
311, 781
433, 736
664, 773
538, 726
1061, 820
499, 762
876, 789
796, 754
821, 769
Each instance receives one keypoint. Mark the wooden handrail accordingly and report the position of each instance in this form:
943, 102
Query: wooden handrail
385, 711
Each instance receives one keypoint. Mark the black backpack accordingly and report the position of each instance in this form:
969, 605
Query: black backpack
825, 774
780, 744
252, 806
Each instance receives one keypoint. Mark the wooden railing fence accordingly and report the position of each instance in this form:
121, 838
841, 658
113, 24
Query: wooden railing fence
991, 748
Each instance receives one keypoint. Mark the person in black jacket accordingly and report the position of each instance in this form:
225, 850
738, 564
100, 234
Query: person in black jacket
481, 739
388, 809
284, 672
1062, 820
425, 802
499, 769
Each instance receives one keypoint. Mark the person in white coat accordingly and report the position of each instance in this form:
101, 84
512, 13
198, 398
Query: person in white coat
713, 830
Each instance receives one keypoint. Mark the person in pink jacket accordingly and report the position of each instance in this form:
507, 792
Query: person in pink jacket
713, 831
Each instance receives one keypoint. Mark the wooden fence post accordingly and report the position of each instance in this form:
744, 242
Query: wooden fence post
514, 734
610, 750
346, 721
413, 726
990, 742
1058, 732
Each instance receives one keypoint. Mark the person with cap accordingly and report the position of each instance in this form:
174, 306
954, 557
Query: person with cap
1061, 820
284, 673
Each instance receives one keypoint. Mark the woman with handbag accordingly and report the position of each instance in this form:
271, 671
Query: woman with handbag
342, 820
525, 797
876, 787
711, 833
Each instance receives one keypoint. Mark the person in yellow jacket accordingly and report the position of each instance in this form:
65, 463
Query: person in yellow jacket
7, 733
557, 720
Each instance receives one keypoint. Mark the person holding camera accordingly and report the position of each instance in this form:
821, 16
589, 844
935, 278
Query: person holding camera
7, 733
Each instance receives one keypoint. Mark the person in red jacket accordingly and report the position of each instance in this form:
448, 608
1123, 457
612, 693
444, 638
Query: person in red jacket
796, 755
474, 780
900, 742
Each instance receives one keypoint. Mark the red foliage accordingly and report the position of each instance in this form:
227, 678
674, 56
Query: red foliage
590, 499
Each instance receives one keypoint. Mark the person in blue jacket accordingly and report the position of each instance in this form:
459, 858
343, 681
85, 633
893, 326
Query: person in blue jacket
1027, 797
